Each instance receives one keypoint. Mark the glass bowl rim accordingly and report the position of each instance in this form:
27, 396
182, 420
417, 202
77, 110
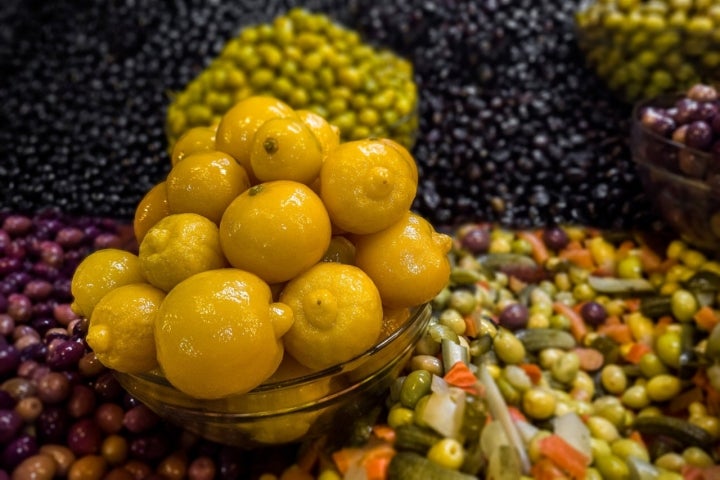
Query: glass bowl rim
416, 313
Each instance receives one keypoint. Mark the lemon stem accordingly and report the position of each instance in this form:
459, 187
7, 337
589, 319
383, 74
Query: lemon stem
270, 145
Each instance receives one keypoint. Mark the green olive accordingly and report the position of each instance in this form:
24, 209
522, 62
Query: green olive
663, 387
565, 369
636, 397
683, 304
400, 415
612, 467
539, 403
625, 447
448, 453
602, 428
416, 385
508, 347
463, 301
668, 347
613, 379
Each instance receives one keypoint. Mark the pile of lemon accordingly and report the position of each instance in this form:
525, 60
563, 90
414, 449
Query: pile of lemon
270, 239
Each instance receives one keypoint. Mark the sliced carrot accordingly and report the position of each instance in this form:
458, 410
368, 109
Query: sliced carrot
568, 458
573, 244
636, 352
376, 462
706, 318
540, 251
620, 332
691, 472
471, 329
516, 414
578, 328
632, 304
461, 376
624, 249
384, 432
533, 371
580, 257
636, 436
591, 359
344, 458
545, 469
662, 323
649, 259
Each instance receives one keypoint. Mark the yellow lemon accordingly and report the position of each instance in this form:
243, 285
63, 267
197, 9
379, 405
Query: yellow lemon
237, 127
327, 134
218, 333
197, 139
366, 186
285, 149
275, 230
99, 273
152, 207
122, 326
407, 261
338, 314
406, 155
205, 183
289, 369
179, 246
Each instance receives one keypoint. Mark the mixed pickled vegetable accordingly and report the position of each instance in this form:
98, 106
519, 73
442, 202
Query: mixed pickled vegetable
558, 353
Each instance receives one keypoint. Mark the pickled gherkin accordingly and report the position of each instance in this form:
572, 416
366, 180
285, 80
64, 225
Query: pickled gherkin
311, 63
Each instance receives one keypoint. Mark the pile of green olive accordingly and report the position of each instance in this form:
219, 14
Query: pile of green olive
310, 63
644, 48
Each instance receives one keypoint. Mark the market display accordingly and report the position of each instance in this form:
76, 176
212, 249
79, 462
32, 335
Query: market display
365, 241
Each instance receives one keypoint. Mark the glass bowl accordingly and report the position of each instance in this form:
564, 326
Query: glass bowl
329, 402
683, 183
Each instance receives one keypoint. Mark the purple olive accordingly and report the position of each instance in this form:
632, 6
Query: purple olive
593, 313
18, 450
9, 359
10, 424
702, 93
17, 225
84, 437
476, 239
699, 135
555, 238
66, 355
686, 109
52, 424
514, 316
658, 122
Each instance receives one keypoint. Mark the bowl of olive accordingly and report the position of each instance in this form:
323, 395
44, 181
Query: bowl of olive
644, 48
675, 144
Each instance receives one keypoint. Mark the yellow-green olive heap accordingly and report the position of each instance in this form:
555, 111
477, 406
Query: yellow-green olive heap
644, 48
310, 63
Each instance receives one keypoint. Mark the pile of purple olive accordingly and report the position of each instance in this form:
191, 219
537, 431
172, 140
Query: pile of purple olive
692, 120
62, 414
